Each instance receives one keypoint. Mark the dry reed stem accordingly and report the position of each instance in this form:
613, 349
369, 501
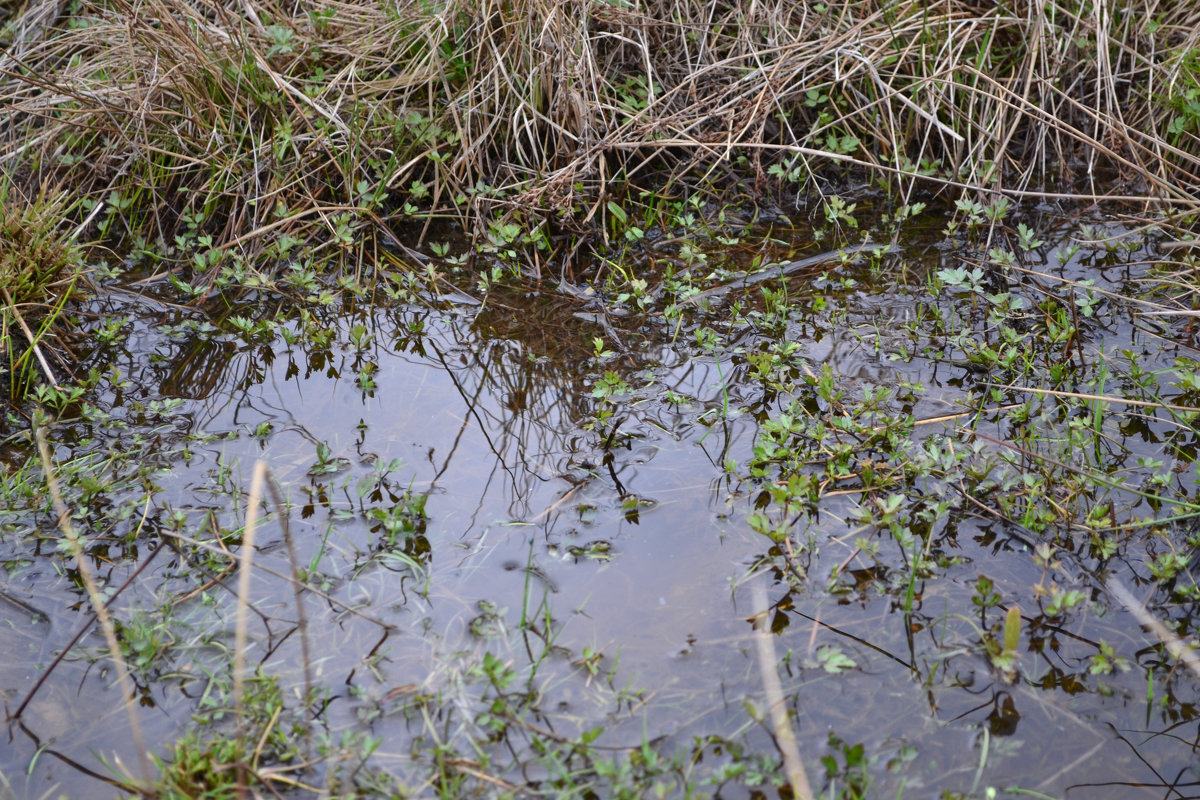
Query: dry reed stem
245, 568
785, 738
1102, 398
31, 338
1178, 649
94, 596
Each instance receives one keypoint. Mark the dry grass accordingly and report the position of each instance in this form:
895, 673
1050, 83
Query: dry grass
243, 119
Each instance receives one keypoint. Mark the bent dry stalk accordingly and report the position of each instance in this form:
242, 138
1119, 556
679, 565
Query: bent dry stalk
785, 738
97, 600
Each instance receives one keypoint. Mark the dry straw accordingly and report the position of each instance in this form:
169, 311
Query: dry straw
245, 114
97, 600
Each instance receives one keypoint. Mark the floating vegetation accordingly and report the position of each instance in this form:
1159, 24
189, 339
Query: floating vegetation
599, 400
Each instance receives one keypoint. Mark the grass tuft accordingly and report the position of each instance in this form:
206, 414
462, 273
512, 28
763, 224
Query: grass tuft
35, 250
39, 263
251, 122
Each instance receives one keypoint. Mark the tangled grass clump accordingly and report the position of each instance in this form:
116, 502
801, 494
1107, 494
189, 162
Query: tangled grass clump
247, 121
39, 262
35, 251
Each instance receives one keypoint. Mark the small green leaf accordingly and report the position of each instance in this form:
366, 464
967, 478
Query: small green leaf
1012, 629
833, 660
618, 212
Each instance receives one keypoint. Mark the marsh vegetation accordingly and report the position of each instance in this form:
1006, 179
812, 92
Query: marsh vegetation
584, 400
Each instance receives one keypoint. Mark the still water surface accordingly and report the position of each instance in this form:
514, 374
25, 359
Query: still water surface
623, 542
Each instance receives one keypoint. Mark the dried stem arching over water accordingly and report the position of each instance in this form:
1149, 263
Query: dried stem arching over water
98, 603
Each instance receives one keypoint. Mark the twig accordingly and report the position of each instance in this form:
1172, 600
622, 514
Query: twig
785, 739
33, 342
1175, 646
779, 271
1103, 398
97, 600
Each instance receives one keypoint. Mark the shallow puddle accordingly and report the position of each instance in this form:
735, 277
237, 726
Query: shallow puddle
582, 495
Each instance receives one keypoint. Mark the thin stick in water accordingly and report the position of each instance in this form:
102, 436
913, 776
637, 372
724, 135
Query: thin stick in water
785, 738
1178, 649
247, 561
97, 600
298, 587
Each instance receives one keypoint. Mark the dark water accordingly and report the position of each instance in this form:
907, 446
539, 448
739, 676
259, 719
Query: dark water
622, 541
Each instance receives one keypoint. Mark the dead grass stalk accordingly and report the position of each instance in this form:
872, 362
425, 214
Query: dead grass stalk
217, 114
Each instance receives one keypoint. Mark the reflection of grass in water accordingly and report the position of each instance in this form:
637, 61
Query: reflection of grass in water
476, 711
1018, 497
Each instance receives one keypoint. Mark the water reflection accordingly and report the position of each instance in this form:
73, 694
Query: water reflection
455, 487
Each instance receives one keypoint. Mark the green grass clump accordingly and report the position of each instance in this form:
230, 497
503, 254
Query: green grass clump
209, 761
39, 262
36, 251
